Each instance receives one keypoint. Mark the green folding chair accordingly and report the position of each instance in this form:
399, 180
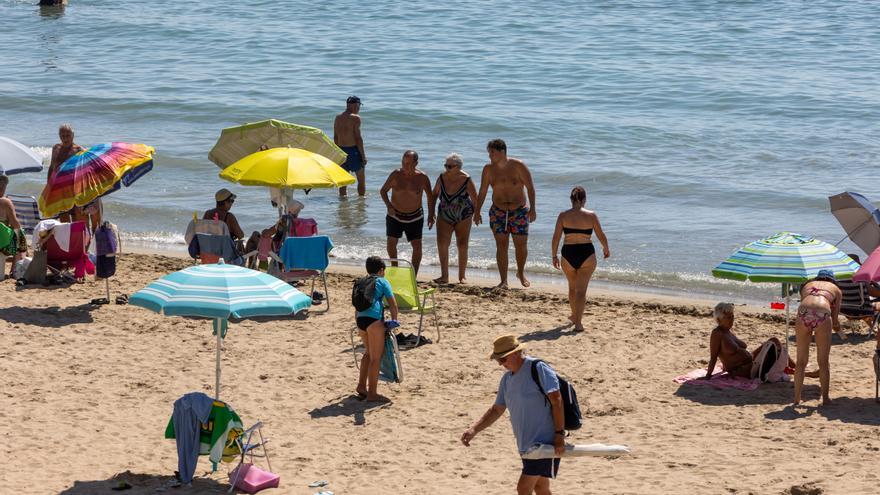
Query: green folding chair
410, 299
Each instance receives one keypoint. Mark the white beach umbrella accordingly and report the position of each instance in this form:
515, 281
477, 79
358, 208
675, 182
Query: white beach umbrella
16, 158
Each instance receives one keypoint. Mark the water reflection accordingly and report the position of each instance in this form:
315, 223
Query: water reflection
52, 9
352, 212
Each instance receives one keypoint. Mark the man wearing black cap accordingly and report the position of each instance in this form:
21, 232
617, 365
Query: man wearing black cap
225, 199
347, 135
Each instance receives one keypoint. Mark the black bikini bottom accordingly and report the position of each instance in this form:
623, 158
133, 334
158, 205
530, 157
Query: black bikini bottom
576, 254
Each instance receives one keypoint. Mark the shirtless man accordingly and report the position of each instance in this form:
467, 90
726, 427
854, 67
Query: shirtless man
509, 213
347, 135
405, 213
60, 153
8, 218
732, 352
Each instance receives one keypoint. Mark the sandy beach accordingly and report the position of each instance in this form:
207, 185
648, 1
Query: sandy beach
89, 390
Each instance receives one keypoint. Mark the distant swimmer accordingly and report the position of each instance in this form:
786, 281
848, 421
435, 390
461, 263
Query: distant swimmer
511, 181
405, 212
347, 135
49, 3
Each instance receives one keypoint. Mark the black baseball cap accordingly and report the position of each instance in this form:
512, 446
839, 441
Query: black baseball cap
353, 99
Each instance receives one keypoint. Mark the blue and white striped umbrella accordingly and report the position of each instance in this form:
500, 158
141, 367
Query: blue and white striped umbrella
220, 291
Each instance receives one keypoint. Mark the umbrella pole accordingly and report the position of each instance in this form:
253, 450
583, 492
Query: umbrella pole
107, 288
218, 327
787, 309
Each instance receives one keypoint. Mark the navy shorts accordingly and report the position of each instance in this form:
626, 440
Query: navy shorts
546, 468
353, 162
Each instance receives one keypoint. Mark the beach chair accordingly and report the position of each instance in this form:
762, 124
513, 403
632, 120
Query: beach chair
306, 258
391, 367
856, 304
245, 476
209, 240
67, 248
263, 257
27, 211
410, 299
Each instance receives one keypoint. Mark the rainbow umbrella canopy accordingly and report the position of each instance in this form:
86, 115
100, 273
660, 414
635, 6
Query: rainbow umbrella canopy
92, 173
785, 257
240, 141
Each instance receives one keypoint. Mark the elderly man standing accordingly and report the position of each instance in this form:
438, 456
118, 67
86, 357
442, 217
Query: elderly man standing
60, 153
405, 212
225, 199
511, 181
347, 135
533, 420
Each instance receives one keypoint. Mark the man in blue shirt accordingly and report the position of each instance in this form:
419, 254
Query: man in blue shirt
371, 327
532, 419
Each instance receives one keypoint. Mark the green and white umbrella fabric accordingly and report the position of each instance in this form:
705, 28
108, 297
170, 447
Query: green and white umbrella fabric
240, 141
785, 257
220, 292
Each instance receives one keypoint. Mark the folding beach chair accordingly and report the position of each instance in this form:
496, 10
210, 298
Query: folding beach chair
391, 367
307, 258
26, 210
856, 304
209, 240
67, 248
245, 476
411, 299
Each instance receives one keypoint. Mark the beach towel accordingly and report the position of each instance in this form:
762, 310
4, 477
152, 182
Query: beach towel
105, 240
719, 380
309, 253
388, 367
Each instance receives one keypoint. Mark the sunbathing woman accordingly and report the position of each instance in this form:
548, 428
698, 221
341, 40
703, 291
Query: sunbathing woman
457, 194
817, 315
733, 353
578, 254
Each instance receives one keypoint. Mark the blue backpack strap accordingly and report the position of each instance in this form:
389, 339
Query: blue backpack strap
538, 380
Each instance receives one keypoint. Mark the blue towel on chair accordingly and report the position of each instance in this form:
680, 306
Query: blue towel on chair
309, 253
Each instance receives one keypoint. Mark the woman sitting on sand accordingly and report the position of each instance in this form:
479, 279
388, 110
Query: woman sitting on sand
457, 194
817, 315
733, 353
578, 254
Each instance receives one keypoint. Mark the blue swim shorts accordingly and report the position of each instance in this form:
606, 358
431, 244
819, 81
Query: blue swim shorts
354, 162
546, 468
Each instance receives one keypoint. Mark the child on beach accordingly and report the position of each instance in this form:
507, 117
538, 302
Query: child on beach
371, 326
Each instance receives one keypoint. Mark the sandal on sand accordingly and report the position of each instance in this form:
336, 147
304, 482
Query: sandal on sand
99, 301
122, 299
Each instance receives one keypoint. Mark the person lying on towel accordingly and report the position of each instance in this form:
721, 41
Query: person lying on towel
733, 352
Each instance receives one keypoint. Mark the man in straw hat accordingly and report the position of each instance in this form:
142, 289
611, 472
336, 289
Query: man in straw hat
533, 420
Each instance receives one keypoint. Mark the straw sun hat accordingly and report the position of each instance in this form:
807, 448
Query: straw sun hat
506, 345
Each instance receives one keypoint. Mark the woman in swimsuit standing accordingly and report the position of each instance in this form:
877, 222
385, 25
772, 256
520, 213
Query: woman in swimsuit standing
578, 254
817, 314
457, 195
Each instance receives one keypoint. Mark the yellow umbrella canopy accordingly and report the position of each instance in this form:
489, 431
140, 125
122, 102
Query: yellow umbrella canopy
290, 168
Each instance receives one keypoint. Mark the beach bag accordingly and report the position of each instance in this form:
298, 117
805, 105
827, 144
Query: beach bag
304, 227
363, 292
251, 479
570, 407
8, 241
770, 362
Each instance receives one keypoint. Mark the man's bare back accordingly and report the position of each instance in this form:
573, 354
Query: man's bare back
344, 127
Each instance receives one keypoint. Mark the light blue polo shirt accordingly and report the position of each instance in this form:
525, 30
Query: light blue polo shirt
530, 415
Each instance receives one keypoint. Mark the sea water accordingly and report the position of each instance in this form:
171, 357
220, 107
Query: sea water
695, 126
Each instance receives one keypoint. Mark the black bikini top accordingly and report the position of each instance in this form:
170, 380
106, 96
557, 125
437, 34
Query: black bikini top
570, 230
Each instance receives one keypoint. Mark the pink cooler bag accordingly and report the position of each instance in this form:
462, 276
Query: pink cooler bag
252, 479
304, 227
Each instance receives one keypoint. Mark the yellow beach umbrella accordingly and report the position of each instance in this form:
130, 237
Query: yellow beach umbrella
287, 168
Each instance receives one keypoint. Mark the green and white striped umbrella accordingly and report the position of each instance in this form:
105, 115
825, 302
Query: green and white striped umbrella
220, 292
785, 257
240, 141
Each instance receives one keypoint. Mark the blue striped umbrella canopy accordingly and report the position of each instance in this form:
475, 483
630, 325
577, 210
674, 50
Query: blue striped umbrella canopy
220, 291
785, 257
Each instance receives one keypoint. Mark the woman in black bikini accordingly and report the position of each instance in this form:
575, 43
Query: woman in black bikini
578, 254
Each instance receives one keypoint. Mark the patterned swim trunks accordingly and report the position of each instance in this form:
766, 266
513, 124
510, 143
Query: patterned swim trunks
515, 221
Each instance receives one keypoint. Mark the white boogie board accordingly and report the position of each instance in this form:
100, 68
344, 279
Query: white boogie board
545, 451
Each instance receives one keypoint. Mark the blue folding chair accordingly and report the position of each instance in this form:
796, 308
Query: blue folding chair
306, 258
27, 211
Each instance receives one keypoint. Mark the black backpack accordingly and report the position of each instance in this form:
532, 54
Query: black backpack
570, 408
363, 292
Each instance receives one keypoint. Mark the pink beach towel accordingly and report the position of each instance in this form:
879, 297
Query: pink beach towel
719, 380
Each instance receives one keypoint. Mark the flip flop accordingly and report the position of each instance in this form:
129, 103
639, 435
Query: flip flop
99, 301
318, 484
122, 299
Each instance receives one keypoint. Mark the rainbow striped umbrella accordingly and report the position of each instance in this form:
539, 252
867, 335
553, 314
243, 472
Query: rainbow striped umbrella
93, 173
785, 257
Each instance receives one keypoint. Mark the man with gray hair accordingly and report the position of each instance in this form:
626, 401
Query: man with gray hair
405, 213
534, 419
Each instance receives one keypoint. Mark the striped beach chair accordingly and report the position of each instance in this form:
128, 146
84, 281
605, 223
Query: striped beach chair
26, 210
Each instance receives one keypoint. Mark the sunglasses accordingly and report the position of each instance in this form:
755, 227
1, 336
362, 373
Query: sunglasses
450, 166
503, 359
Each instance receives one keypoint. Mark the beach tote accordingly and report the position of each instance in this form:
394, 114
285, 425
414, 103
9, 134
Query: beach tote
769, 365
251, 479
